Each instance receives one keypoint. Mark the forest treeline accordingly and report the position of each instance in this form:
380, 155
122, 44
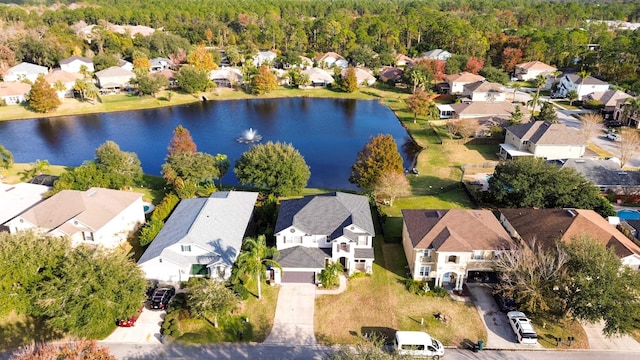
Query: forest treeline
503, 33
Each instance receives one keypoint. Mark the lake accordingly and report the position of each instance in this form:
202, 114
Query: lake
329, 133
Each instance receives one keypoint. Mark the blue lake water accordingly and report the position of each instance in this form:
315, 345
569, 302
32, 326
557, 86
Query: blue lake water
329, 133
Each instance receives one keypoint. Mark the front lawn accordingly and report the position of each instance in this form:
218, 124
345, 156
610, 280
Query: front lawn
380, 303
253, 317
549, 329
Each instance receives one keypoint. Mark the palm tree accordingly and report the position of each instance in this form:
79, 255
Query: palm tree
516, 86
256, 257
6, 158
91, 92
572, 95
631, 110
540, 81
41, 166
59, 87
329, 276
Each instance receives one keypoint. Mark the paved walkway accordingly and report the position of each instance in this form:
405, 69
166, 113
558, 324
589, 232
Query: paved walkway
293, 323
341, 288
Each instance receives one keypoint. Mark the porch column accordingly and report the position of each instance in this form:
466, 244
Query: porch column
459, 280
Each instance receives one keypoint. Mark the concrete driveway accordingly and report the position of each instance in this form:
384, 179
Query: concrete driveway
597, 341
145, 330
293, 323
499, 332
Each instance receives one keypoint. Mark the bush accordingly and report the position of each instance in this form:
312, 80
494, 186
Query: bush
241, 291
174, 328
593, 105
166, 206
150, 231
439, 291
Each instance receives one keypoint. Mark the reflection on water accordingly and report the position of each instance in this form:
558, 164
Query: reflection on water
328, 133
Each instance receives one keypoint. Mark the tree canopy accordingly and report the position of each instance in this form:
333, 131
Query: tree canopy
80, 291
210, 296
532, 182
380, 155
263, 81
42, 97
181, 141
278, 167
122, 168
255, 257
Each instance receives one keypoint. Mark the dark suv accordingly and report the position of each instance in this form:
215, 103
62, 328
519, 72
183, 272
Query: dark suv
161, 297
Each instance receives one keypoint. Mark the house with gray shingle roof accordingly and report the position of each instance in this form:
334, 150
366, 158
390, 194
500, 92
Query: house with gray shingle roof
606, 175
114, 78
452, 246
483, 91
202, 237
73, 64
544, 140
98, 216
337, 226
530, 70
583, 86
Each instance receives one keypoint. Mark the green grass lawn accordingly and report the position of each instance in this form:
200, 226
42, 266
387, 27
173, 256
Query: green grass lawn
260, 315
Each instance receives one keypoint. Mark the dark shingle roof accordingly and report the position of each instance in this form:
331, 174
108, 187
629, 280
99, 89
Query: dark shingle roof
604, 172
326, 214
544, 133
303, 257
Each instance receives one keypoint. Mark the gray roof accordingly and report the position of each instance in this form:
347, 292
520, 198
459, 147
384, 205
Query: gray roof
604, 172
589, 80
303, 257
363, 253
544, 133
73, 58
27, 68
326, 214
114, 71
216, 224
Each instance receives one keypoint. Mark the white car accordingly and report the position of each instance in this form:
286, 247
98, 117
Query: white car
417, 344
613, 136
521, 325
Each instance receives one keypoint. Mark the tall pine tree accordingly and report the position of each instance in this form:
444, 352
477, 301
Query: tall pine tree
181, 142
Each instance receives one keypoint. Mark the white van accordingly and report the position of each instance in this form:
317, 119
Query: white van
417, 343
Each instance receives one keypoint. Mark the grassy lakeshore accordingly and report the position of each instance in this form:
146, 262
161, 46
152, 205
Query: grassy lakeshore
125, 102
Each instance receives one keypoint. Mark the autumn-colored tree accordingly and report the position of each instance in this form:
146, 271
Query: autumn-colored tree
629, 145
179, 58
510, 58
7, 58
141, 65
421, 103
42, 97
392, 185
181, 141
474, 65
201, 58
590, 125
378, 156
350, 80
264, 81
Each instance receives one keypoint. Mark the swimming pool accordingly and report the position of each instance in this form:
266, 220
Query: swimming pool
629, 214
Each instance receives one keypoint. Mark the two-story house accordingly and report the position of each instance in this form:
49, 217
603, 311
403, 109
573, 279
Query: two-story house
74, 64
201, 238
451, 246
313, 230
544, 140
483, 91
583, 86
530, 70
609, 100
24, 71
456, 82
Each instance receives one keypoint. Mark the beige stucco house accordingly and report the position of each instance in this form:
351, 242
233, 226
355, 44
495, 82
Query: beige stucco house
452, 246
530, 70
456, 82
101, 217
544, 140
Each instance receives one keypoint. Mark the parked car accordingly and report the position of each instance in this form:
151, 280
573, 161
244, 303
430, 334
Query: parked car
613, 136
161, 297
129, 322
521, 325
505, 303
417, 344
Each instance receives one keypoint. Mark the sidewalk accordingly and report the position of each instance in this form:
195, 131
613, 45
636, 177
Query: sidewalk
341, 288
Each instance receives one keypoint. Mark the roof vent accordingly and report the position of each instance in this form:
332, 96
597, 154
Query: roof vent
572, 212
91, 193
622, 173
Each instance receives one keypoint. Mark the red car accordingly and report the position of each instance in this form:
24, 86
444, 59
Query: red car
130, 321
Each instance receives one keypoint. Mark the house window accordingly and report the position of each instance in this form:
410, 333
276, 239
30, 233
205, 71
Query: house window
452, 259
185, 248
160, 261
424, 271
426, 253
293, 240
526, 142
87, 235
478, 255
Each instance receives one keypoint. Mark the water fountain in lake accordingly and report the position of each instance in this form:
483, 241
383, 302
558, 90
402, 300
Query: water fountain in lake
249, 136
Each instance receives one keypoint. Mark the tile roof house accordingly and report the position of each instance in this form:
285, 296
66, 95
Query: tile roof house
582, 86
202, 237
16, 198
544, 140
456, 82
364, 77
335, 226
437, 54
549, 225
97, 216
530, 70
68, 79
24, 71
73, 64
451, 246
330, 59
318, 77
14, 93
606, 175
114, 78
483, 91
